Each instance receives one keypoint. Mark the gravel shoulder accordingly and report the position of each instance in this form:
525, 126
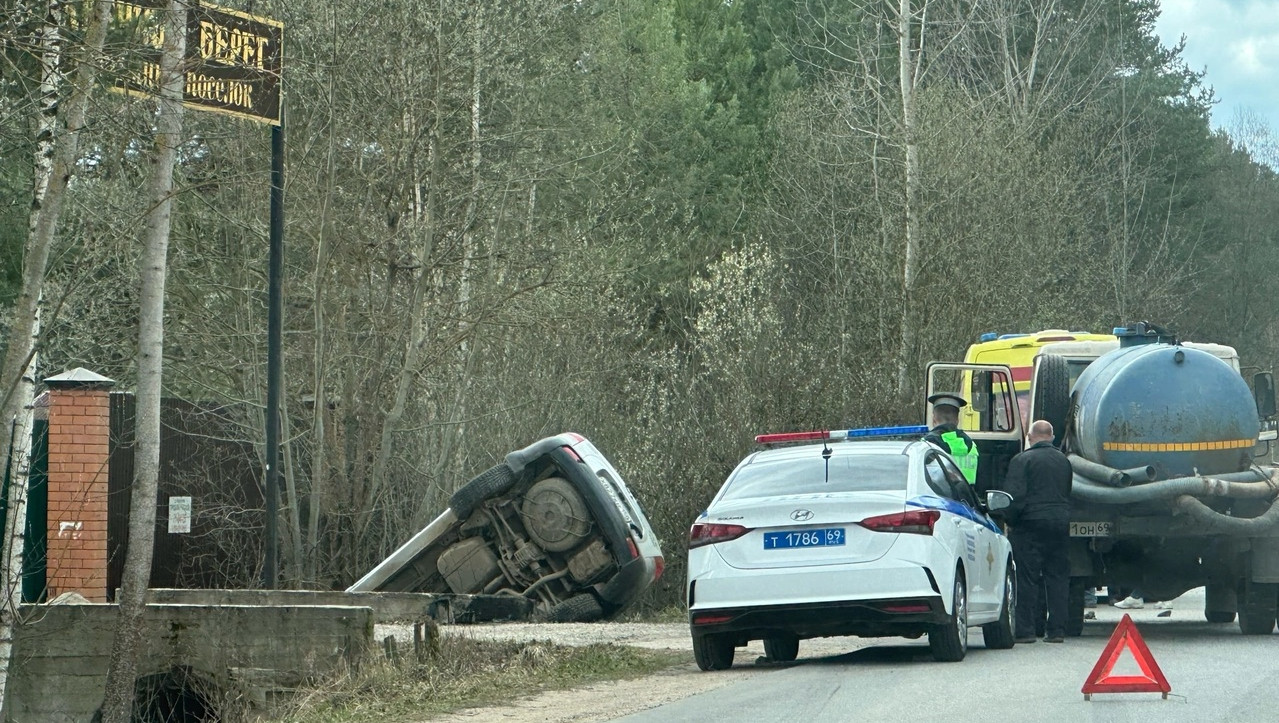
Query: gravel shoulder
613, 699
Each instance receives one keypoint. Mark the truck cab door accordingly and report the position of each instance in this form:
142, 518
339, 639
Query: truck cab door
992, 418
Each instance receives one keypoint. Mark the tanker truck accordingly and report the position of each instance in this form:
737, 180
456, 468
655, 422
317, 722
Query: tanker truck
1166, 440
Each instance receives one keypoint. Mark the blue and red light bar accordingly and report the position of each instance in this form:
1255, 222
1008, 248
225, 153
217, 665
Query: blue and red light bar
841, 434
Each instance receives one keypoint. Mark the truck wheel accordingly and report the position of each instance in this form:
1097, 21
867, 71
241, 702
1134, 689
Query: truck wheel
713, 652
999, 634
1257, 606
1052, 393
1075, 606
1220, 602
949, 640
782, 648
489, 483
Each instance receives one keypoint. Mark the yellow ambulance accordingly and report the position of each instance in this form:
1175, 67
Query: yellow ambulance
1018, 351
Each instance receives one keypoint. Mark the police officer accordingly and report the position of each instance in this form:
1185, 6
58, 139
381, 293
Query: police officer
947, 434
1039, 481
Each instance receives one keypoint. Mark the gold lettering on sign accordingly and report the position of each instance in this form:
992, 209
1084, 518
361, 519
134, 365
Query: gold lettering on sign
232, 46
230, 92
146, 18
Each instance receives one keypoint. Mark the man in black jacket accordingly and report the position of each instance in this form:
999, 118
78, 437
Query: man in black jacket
1039, 481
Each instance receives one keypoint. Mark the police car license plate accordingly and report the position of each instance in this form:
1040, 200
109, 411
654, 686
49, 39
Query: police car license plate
1090, 529
825, 537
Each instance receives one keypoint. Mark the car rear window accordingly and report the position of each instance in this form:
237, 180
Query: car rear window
847, 473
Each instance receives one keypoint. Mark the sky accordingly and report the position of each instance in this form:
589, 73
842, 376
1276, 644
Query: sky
1237, 42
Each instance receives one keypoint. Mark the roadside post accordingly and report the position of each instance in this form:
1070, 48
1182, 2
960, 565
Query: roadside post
234, 66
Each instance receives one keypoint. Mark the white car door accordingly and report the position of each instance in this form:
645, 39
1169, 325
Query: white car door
978, 539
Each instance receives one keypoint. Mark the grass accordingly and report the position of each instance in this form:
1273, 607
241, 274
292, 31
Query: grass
669, 614
467, 673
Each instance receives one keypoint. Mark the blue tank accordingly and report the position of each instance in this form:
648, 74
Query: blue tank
1182, 411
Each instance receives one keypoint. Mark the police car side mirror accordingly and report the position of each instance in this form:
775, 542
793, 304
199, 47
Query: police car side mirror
998, 500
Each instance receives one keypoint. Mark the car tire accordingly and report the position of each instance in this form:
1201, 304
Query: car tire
1257, 607
495, 480
555, 515
1219, 616
582, 608
1076, 591
999, 634
713, 651
1052, 393
782, 648
948, 641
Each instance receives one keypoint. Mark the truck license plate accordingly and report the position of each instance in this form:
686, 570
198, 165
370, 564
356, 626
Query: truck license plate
1090, 529
826, 537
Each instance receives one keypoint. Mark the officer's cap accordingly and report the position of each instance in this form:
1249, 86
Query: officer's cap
947, 399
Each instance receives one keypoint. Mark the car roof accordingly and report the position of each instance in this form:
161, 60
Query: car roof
851, 447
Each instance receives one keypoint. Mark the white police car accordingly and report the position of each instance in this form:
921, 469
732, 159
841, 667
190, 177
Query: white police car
869, 536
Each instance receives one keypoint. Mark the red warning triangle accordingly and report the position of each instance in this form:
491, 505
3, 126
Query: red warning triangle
1126, 637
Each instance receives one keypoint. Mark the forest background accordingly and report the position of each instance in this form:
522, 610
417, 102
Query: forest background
665, 224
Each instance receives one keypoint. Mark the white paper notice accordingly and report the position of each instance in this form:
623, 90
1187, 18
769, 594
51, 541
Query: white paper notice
179, 514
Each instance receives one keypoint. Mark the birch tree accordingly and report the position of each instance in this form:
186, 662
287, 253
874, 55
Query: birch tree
58, 125
154, 237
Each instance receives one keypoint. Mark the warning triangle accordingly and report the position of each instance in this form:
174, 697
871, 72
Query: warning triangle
1126, 637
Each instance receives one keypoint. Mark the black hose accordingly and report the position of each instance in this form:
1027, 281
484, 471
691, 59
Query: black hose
1139, 475
1252, 484
1098, 472
1213, 522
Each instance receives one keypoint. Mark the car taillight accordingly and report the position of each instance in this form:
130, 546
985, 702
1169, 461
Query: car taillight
919, 522
709, 533
659, 565
573, 453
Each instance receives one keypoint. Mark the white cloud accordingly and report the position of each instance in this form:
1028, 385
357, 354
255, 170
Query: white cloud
1237, 43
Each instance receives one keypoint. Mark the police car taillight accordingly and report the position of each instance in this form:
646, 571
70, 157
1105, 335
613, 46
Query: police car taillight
918, 522
709, 533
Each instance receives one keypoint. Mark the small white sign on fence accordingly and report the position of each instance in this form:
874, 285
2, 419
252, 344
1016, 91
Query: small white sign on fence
179, 514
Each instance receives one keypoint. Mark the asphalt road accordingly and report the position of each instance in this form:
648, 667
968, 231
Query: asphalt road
1216, 674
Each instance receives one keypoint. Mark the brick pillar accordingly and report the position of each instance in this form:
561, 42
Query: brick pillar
79, 436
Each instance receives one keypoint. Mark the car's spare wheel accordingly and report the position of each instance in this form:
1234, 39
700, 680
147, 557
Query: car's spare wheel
468, 566
555, 514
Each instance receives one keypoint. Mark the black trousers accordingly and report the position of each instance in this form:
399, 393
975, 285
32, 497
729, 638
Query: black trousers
1039, 549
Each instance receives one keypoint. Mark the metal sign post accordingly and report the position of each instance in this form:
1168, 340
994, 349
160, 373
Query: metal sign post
235, 66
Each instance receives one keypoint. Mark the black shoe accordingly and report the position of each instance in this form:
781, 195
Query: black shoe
1055, 639
1026, 640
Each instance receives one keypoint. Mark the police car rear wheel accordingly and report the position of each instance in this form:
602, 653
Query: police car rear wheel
949, 640
782, 648
713, 652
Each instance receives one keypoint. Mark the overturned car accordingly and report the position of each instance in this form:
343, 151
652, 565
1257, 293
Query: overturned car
553, 525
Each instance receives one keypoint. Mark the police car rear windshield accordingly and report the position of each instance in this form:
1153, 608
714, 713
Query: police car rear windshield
847, 473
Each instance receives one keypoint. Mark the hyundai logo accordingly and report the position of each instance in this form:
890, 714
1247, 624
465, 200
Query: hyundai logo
801, 515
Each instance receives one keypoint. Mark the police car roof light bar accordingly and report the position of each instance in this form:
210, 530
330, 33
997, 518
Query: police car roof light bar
838, 434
